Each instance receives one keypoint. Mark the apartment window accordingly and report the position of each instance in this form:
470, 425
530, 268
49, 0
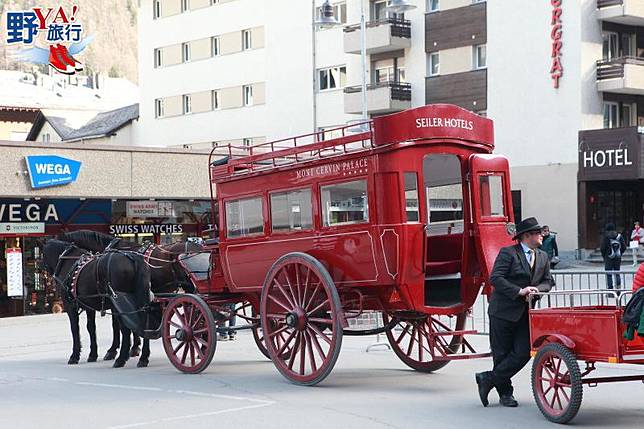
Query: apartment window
433, 5
46, 138
611, 115
479, 57
187, 104
247, 142
328, 133
391, 70
244, 217
216, 103
434, 64
248, 95
157, 9
344, 203
215, 46
159, 108
158, 57
610, 45
332, 78
185, 49
628, 119
291, 211
185, 5
247, 40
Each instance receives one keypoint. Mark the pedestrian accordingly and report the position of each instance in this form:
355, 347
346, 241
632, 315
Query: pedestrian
549, 245
612, 248
519, 270
230, 333
638, 233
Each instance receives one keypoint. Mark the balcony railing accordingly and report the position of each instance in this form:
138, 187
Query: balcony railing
614, 68
399, 90
608, 3
399, 27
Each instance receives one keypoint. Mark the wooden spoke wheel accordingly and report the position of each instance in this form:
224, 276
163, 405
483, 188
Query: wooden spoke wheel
246, 311
189, 333
301, 318
415, 343
556, 383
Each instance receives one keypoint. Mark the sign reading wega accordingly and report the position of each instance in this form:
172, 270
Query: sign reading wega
51, 170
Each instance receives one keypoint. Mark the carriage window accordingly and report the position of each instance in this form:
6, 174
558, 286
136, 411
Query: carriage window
411, 197
291, 211
444, 193
244, 217
491, 188
345, 203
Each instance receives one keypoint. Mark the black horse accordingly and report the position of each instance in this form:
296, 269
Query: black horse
166, 273
88, 281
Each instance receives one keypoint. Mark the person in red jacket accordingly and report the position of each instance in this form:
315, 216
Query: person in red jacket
638, 280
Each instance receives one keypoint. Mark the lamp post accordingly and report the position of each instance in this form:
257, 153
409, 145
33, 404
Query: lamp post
325, 20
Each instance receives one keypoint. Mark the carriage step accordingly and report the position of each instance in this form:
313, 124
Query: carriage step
456, 333
463, 356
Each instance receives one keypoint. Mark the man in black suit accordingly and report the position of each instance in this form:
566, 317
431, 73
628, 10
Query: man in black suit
518, 271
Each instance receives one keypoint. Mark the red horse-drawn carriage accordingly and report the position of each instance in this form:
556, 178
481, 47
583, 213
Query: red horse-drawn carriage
403, 217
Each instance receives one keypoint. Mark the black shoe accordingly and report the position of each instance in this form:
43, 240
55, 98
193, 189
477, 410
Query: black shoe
508, 401
485, 385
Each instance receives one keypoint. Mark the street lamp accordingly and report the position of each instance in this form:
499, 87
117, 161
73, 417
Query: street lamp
400, 6
327, 16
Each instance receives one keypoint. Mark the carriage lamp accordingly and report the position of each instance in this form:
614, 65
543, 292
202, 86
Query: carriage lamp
400, 6
327, 17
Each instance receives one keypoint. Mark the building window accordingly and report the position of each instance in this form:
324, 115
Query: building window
187, 104
46, 137
185, 49
610, 45
611, 115
157, 9
344, 203
479, 57
159, 108
185, 5
482, 113
247, 142
215, 46
247, 40
478, 1
248, 95
332, 78
291, 211
212, 2
411, 197
244, 217
434, 64
628, 115
391, 70
158, 57
216, 103
433, 5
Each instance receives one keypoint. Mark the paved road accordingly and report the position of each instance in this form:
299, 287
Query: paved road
243, 390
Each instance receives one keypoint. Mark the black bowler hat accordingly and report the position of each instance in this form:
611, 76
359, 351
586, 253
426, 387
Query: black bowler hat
526, 225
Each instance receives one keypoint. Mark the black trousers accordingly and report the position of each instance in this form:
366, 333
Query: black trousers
613, 265
510, 344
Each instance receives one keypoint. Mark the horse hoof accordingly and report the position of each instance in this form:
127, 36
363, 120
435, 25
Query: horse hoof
73, 360
110, 355
92, 358
118, 363
143, 363
135, 351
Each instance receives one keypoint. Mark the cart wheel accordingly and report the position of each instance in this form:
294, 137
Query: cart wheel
301, 312
556, 383
416, 346
247, 312
189, 333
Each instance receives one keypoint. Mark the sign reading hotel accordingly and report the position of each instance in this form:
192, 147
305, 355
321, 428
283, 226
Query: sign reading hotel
14, 272
444, 122
346, 168
556, 33
50, 170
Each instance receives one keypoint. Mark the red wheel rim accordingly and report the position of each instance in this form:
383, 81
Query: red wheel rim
414, 343
300, 320
552, 384
188, 337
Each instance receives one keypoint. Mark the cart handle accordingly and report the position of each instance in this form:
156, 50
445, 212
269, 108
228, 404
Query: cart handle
619, 296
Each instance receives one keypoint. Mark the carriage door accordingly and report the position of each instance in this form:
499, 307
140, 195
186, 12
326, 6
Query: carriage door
491, 207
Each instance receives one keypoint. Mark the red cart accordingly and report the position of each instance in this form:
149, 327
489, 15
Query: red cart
571, 326
402, 215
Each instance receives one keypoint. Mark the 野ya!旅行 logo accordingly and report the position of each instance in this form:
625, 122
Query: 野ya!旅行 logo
51, 170
52, 35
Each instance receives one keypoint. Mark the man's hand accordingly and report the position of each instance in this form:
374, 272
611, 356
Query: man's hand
528, 290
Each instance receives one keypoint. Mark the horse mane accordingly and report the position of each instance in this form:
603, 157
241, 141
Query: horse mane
95, 241
179, 247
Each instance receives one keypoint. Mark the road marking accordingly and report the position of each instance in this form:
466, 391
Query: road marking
118, 386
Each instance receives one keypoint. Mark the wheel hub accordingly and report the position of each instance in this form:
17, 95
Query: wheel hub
296, 319
183, 334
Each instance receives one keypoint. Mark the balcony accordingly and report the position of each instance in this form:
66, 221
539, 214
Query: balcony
627, 12
382, 97
384, 35
624, 75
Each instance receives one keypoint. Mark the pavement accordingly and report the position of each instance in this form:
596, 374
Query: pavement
241, 389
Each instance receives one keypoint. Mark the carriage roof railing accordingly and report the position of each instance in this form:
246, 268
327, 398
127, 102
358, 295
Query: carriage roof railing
234, 160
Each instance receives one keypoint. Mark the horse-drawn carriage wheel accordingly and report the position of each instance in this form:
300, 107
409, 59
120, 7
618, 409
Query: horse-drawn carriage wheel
247, 312
556, 383
416, 346
298, 297
189, 333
